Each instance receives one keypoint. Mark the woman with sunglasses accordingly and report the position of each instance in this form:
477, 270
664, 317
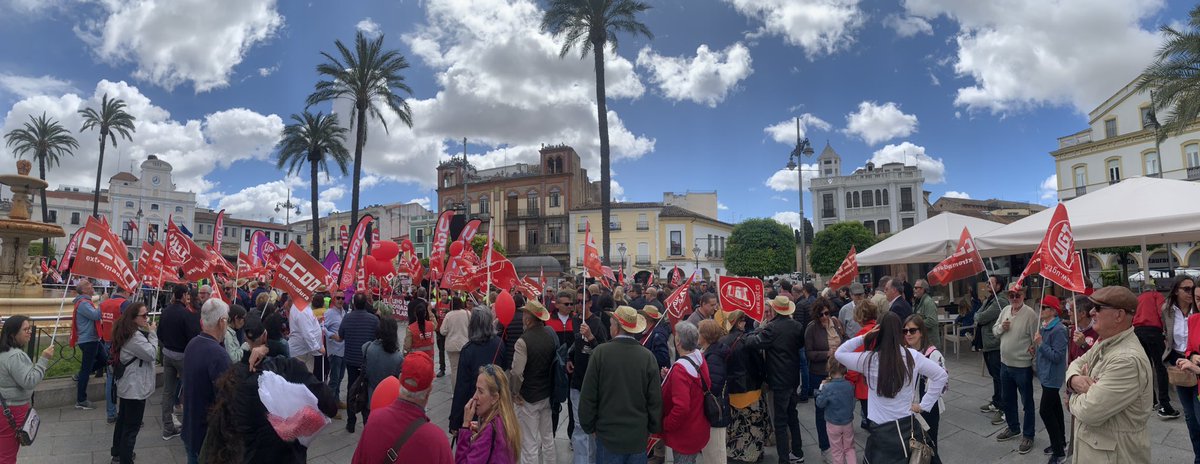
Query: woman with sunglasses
916, 337
136, 346
821, 337
495, 437
1187, 358
18, 376
891, 370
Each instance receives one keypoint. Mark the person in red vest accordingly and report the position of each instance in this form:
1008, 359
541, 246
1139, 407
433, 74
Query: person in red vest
1148, 327
110, 311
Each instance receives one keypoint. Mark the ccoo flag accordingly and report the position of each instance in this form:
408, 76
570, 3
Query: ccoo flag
846, 272
965, 262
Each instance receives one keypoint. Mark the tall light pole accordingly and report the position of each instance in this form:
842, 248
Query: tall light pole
287, 207
795, 161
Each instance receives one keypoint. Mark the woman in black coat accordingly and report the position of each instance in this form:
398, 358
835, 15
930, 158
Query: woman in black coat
484, 348
749, 421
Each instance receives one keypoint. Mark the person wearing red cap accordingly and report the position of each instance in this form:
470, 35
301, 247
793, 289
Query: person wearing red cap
401, 432
1148, 327
1051, 360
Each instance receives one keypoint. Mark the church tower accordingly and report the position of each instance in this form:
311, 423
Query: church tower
829, 162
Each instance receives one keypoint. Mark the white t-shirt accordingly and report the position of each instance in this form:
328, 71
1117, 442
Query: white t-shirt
881, 409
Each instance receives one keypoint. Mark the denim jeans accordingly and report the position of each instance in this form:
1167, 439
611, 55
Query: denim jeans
110, 392
582, 443
604, 456
822, 433
172, 379
90, 356
805, 386
337, 367
991, 359
1012, 381
1191, 407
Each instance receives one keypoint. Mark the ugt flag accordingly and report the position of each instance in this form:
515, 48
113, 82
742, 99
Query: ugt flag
965, 262
741, 293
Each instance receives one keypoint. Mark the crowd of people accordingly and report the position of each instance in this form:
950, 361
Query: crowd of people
710, 385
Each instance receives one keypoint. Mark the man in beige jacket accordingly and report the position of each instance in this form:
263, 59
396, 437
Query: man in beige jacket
1111, 386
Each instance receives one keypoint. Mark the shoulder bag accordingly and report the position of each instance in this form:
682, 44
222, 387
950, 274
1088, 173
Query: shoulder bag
393, 453
1180, 378
28, 431
919, 451
712, 406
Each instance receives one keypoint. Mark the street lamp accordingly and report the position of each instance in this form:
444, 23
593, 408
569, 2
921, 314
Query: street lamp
795, 161
621, 251
287, 207
696, 251
137, 238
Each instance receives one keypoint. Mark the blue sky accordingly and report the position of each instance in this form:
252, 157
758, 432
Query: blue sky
976, 93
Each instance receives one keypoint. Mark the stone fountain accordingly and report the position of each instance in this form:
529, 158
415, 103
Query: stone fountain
20, 276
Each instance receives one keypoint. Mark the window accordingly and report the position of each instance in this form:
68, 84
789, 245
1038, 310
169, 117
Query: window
906, 200
583, 222
248, 234
1191, 151
849, 197
152, 232
483, 204
531, 237
879, 197
153, 206
420, 236
1080, 176
531, 202
554, 199
1110, 128
53, 218
857, 200
555, 233
883, 226
643, 253
129, 204
420, 255
642, 222
829, 207
1114, 170
906, 223
885, 197
276, 237
867, 199
178, 209
1151, 164
75, 219
676, 243
870, 225
1147, 117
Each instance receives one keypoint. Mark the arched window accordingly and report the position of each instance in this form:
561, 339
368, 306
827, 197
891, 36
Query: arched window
878, 197
483, 204
558, 165
849, 202
885, 197
857, 200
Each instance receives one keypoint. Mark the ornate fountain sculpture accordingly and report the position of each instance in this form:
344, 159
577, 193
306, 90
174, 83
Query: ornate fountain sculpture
17, 270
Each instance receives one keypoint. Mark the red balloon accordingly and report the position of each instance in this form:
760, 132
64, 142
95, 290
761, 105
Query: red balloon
456, 248
376, 267
506, 308
385, 250
385, 393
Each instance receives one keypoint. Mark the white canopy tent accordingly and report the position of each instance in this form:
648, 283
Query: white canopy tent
930, 241
1135, 211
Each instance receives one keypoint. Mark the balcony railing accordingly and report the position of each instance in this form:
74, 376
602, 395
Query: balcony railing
1113, 181
1193, 173
676, 250
1080, 191
828, 213
642, 260
643, 225
614, 225
538, 249
1155, 174
528, 213
582, 227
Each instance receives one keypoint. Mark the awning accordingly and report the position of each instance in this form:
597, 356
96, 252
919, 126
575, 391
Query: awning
930, 241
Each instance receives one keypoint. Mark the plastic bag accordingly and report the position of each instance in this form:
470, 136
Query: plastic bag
291, 407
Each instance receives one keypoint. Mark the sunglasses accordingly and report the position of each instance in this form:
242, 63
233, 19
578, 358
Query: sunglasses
1188, 288
144, 315
911, 331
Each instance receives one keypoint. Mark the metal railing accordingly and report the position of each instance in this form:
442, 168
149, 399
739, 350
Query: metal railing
643, 225
1193, 173
614, 225
528, 213
828, 213
1080, 191
642, 260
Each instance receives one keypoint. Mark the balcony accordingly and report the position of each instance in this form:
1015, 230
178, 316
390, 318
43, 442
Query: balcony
554, 212
1080, 191
1193, 173
642, 260
528, 213
676, 249
578, 260
538, 249
614, 225
1113, 181
643, 225
828, 213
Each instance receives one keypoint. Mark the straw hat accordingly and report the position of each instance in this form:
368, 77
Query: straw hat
783, 305
629, 320
536, 309
728, 319
651, 312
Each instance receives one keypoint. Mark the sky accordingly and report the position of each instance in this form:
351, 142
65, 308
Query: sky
974, 93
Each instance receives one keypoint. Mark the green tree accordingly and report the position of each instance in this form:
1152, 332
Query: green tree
46, 140
316, 140
111, 120
36, 249
479, 240
593, 25
1112, 276
760, 247
808, 232
831, 245
369, 78
1172, 80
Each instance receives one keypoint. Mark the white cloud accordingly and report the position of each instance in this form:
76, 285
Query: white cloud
876, 123
721, 206
172, 42
264, 72
907, 26
423, 201
818, 26
27, 86
955, 194
616, 191
1029, 53
706, 78
369, 180
780, 198
32, 7
784, 179
258, 202
368, 27
500, 76
785, 131
789, 218
1049, 188
909, 154
195, 147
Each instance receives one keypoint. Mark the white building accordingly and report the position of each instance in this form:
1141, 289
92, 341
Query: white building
885, 199
394, 221
68, 207
237, 232
1119, 143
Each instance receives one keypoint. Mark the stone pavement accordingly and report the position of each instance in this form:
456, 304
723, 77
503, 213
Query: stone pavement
967, 436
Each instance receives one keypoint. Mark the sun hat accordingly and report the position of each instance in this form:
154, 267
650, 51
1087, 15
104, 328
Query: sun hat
728, 319
629, 320
783, 305
1051, 301
652, 312
537, 310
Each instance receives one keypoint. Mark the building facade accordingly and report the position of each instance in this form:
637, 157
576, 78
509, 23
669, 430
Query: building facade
420, 233
1002, 211
237, 233
527, 207
393, 220
1119, 143
885, 199
68, 207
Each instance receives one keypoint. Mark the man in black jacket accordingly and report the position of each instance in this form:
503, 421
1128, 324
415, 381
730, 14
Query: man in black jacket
177, 326
782, 339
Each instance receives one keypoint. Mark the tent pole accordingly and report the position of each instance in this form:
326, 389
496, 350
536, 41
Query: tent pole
1145, 264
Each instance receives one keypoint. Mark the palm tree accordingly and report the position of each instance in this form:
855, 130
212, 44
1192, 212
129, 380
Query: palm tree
45, 139
111, 120
368, 76
593, 25
315, 139
1172, 80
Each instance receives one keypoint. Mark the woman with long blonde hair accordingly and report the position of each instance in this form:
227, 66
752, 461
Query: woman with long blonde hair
495, 438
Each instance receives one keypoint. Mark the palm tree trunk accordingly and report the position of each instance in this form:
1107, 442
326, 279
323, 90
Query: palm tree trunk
99, 168
605, 173
360, 140
45, 209
316, 220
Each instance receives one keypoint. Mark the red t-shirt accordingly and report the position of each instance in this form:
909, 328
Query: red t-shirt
428, 445
1149, 310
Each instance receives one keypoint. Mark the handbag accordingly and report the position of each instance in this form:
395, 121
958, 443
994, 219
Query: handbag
28, 431
712, 406
919, 451
1180, 378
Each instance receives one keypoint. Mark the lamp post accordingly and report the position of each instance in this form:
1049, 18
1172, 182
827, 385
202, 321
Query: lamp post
137, 239
621, 251
287, 207
696, 251
795, 162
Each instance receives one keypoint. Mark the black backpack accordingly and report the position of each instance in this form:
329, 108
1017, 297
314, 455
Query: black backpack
558, 376
114, 359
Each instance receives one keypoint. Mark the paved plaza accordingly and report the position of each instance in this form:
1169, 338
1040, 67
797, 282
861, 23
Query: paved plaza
72, 436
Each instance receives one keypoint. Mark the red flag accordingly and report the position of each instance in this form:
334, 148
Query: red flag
350, 264
676, 276
146, 268
189, 256
299, 275
504, 274
102, 255
375, 236
45, 268
219, 231
591, 256
965, 262
218, 264
621, 275
345, 236
1055, 258
529, 288
70, 252
216, 291
441, 237
846, 272
133, 225
741, 294
468, 232
679, 303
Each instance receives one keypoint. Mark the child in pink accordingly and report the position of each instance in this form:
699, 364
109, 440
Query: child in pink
837, 398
